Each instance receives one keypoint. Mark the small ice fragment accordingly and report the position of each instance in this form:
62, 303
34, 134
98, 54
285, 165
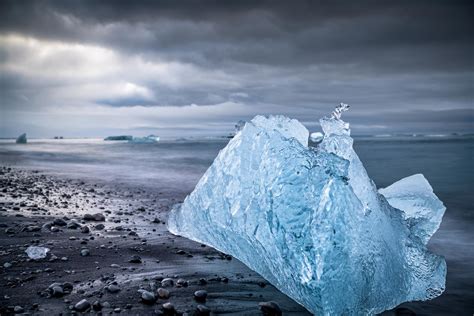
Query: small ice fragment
35, 252
316, 137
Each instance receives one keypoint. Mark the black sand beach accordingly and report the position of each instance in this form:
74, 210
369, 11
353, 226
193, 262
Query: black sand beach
134, 228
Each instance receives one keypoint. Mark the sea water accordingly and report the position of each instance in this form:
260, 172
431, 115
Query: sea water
176, 167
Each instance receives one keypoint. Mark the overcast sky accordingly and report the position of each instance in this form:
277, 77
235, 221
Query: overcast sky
94, 68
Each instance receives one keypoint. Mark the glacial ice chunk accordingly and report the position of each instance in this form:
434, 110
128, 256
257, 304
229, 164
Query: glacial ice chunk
35, 252
21, 139
311, 221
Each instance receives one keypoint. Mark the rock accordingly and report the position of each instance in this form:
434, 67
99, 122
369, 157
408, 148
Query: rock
270, 308
57, 291
72, 224
99, 226
168, 308
59, 222
82, 305
85, 252
47, 226
85, 229
163, 293
182, 283
97, 217
97, 306
67, 287
54, 229
117, 310
32, 228
113, 288
167, 282
9, 230
148, 297
200, 296
202, 310
18, 309
7, 265
135, 259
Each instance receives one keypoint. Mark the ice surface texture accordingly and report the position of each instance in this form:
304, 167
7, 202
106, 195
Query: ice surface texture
35, 252
311, 221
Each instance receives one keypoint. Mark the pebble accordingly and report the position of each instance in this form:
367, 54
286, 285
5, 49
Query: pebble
97, 217
202, 310
97, 306
59, 222
85, 229
270, 308
18, 309
7, 265
85, 252
113, 288
135, 259
73, 224
200, 296
82, 305
167, 282
168, 307
57, 291
163, 293
148, 297
182, 283
99, 226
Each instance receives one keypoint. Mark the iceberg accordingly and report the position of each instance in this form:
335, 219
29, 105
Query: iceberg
312, 222
146, 139
119, 137
21, 139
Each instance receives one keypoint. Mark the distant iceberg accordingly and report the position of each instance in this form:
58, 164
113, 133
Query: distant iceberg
311, 221
22, 139
146, 139
119, 137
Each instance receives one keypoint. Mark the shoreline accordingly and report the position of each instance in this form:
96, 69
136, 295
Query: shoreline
29, 200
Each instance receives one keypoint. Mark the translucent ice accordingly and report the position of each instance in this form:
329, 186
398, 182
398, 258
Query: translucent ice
35, 252
311, 221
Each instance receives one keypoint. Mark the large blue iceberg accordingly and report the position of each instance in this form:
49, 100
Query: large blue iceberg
312, 222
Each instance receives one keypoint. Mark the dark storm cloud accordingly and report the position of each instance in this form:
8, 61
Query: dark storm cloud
394, 37
292, 57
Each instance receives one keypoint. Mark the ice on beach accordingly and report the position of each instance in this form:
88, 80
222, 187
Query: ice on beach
311, 221
21, 139
146, 139
36, 253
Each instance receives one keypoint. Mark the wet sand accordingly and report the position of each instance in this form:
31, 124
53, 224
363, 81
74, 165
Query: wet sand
133, 225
